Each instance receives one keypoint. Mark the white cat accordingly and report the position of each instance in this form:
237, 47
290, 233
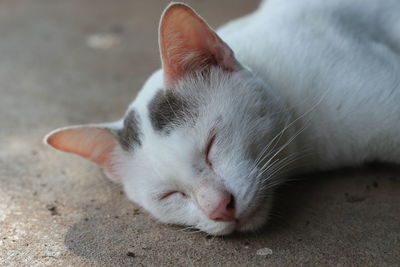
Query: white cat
303, 85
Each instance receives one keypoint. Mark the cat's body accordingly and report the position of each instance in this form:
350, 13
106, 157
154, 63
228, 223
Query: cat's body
313, 85
343, 54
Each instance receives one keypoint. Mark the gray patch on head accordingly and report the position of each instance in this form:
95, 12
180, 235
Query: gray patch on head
129, 135
167, 109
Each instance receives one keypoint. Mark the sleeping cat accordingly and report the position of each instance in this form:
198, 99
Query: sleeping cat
295, 86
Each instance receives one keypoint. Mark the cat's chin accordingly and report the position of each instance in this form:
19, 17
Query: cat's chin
241, 225
217, 230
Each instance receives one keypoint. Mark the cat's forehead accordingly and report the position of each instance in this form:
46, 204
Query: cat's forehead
181, 105
168, 110
193, 106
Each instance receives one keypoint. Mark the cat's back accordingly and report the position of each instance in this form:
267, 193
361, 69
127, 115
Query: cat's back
376, 14
308, 47
369, 19
301, 28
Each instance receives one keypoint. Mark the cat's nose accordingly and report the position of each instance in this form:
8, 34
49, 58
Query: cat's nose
217, 204
224, 210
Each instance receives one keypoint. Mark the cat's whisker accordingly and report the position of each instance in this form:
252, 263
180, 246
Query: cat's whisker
264, 154
189, 230
278, 135
283, 146
270, 181
275, 164
260, 158
185, 229
289, 141
267, 166
194, 232
287, 126
271, 177
281, 169
288, 160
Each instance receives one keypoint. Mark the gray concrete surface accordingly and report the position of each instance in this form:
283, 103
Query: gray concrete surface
76, 61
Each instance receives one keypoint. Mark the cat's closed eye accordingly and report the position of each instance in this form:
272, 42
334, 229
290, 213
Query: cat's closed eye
208, 149
174, 193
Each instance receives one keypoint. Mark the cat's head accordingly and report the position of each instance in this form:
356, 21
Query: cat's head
201, 144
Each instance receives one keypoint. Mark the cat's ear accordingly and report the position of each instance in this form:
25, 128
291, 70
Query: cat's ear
95, 143
188, 44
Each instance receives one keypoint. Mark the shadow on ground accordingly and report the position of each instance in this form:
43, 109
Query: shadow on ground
331, 218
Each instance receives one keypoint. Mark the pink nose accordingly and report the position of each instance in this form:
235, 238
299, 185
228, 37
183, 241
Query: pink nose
224, 210
216, 202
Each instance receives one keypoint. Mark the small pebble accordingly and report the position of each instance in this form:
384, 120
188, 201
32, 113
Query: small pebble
354, 198
136, 211
130, 254
264, 252
52, 209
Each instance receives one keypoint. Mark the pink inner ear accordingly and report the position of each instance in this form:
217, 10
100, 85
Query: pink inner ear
95, 144
187, 44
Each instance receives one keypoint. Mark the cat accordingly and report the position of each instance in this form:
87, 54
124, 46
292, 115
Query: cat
295, 86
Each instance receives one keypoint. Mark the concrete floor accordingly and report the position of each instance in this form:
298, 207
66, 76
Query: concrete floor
68, 62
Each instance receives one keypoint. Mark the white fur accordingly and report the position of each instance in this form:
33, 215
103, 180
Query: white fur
319, 76
337, 66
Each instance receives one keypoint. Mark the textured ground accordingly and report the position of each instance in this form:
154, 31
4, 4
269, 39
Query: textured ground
76, 61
